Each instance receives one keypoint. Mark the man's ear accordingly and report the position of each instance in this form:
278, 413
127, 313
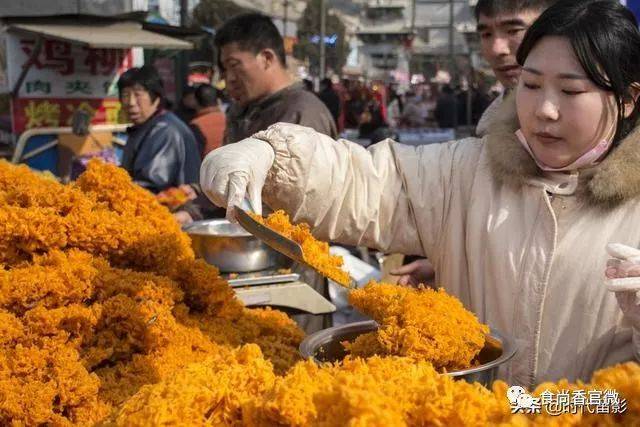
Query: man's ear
270, 58
632, 99
156, 103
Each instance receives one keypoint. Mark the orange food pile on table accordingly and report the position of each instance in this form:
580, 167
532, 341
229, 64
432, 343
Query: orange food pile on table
100, 295
106, 319
378, 391
423, 324
315, 252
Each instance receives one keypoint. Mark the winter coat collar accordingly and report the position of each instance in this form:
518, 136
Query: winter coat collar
612, 182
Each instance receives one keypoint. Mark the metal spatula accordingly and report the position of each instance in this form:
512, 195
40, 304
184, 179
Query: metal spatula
286, 247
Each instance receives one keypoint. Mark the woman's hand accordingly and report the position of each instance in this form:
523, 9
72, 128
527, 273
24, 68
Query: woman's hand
415, 273
235, 171
623, 278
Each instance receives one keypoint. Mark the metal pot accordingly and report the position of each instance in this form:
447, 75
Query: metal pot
230, 248
325, 346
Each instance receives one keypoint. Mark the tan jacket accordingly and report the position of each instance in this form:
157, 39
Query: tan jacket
523, 251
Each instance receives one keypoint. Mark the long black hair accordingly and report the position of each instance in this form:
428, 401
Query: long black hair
606, 40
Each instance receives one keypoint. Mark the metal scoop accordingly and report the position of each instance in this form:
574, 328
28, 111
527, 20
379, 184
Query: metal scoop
277, 241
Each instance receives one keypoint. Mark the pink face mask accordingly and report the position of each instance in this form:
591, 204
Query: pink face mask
588, 159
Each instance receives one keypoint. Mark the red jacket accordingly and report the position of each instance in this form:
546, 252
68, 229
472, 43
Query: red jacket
209, 125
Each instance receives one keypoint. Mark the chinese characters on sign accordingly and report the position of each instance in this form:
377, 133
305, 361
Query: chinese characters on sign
65, 77
566, 402
55, 112
66, 59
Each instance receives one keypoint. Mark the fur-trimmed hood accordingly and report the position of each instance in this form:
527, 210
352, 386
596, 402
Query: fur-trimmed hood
615, 180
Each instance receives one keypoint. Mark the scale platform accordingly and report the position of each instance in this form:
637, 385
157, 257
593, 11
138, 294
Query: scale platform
275, 288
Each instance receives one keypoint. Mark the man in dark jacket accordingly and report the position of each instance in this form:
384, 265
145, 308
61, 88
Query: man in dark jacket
161, 151
253, 63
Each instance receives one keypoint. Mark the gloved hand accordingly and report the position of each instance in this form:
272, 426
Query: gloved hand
623, 278
235, 171
415, 273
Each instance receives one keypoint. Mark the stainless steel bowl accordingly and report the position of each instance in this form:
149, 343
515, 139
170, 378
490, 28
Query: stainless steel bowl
230, 248
325, 346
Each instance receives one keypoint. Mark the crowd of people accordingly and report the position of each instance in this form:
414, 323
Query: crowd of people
165, 148
377, 109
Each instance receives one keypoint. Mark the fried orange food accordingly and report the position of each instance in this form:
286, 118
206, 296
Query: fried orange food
103, 325
102, 213
315, 252
100, 295
378, 391
211, 392
423, 324
176, 197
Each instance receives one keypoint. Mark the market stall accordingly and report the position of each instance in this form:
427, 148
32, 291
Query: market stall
59, 66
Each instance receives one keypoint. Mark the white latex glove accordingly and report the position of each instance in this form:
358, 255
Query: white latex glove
623, 278
235, 171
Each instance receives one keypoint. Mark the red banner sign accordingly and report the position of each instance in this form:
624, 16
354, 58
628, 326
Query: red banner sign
31, 113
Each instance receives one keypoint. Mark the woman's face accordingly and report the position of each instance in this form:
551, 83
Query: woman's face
562, 113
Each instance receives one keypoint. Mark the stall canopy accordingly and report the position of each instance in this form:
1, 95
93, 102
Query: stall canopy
111, 35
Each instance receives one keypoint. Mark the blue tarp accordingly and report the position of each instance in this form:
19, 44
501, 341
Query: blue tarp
634, 5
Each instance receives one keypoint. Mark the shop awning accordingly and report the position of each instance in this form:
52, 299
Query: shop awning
101, 35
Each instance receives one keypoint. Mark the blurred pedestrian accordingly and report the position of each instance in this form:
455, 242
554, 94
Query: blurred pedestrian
413, 113
371, 119
394, 109
330, 98
209, 122
446, 112
186, 108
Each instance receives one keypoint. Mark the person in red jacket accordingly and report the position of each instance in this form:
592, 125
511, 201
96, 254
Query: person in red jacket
209, 123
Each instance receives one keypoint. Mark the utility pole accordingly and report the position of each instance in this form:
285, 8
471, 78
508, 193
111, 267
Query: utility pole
285, 4
413, 16
413, 35
182, 74
323, 30
452, 56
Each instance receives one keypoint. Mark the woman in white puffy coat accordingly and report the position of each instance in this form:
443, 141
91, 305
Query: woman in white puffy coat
515, 223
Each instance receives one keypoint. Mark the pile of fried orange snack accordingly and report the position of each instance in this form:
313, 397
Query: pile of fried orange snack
107, 319
315, 252
423, 324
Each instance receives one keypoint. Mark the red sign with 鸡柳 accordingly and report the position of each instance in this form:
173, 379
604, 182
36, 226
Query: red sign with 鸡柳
62, 78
